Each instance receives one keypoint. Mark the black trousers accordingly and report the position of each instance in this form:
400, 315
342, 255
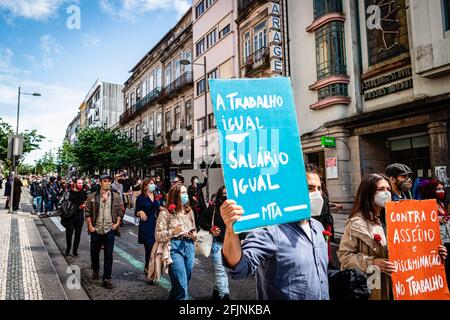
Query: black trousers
107, 240
74, 225
16, 201
148, 251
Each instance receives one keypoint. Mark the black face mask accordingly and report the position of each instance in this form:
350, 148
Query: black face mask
224, 198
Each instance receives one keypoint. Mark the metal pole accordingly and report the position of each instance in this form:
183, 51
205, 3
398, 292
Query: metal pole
206, 124
11, 201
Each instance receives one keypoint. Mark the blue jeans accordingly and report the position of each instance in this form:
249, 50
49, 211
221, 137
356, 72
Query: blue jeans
107, 240
37, 204
221, 280
182, 253
49, 205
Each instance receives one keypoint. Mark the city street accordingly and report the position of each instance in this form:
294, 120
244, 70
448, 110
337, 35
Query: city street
128, 277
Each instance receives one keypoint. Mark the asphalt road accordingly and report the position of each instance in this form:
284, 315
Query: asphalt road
128, 277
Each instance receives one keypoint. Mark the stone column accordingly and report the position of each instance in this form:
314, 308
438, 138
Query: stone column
439, 142
340, 190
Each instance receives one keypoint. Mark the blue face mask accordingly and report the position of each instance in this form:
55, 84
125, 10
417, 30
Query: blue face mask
151, 187
184, 199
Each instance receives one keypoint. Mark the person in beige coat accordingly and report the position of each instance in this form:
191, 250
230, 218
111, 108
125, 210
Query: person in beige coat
364, 244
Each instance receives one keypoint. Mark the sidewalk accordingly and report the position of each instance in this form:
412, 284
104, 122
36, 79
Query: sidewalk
27, 271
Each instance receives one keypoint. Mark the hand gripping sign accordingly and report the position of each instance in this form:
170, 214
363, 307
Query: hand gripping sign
261, 151
413, 240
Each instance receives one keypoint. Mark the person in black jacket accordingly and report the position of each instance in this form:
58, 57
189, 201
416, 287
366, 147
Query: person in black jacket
73, 220
196, 197
37, 192
212, 221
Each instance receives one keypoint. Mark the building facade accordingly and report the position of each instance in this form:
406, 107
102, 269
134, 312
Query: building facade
262, 31
379, 87
158, 103
215, 39
104, 104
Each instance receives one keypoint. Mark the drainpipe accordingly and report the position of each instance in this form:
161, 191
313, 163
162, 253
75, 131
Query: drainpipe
287, 51
358, 70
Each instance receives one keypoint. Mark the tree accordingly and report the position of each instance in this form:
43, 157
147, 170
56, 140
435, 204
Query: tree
98, 149
47, 164
65, 157
25, 169
31, 142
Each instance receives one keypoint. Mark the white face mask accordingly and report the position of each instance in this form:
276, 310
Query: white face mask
316, 201
381, 198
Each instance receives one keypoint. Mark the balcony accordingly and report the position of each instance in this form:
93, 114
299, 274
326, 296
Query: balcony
176, 86
148, 100
258, 60
148, 141
126, 116
245, 6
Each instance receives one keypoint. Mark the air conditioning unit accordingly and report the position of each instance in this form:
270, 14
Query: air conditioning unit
97, 118
145, 131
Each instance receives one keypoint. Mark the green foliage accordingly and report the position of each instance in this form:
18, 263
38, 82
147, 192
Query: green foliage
31, 141
47, 164
98, 149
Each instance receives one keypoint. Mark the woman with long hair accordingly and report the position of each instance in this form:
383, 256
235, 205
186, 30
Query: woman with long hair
212, 221
364, 244
176, 224
147, 210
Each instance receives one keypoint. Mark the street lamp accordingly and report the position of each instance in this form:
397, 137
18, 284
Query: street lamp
17, 133
186, 63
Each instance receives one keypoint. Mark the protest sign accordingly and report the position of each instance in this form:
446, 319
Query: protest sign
413, 241
261, 151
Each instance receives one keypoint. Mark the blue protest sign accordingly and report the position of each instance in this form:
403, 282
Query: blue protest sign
261, 151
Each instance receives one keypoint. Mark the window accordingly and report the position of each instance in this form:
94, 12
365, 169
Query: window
168, 78
188, 113
200, 9
178, 68
201, 128
446, 15
330, 50
133, 102
323, 7
152, 82
200, 47
132, 134
213, 74
138, 93
187, 56
334, 90
151, 128
211, 38
168, 122
202, 6
224, 31
260, 39
201, 87
177, 123
138, 127
247, 46
159, 124
127, 103
212, 121
144, 88
158, 78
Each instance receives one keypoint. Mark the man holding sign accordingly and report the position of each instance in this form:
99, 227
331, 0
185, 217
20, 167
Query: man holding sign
263, 163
